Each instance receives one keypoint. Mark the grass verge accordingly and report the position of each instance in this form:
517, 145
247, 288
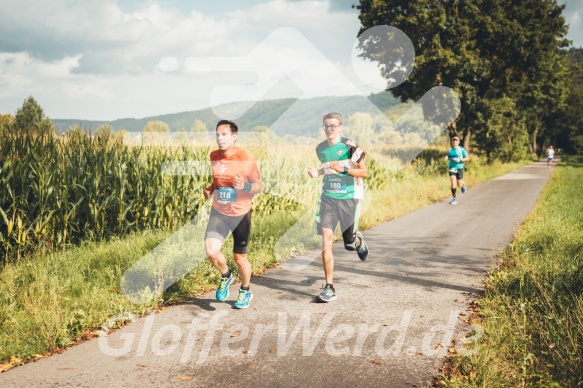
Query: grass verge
531, 312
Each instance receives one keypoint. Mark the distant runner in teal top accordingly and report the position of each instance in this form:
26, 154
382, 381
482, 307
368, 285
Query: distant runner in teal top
342, 190
457, 156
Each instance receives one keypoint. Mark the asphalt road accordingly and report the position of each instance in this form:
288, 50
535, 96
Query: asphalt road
395, 316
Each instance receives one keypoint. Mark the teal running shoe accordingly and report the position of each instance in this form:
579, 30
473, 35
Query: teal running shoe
327, 295
463, 189
362, 248
223, 290
245, 297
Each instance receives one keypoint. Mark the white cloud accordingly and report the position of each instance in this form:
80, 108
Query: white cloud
87, 59
96, 60
573, 15
575, 29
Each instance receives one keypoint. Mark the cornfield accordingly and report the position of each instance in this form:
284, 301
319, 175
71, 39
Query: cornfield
60, 190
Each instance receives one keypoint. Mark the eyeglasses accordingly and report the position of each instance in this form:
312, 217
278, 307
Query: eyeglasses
333, 126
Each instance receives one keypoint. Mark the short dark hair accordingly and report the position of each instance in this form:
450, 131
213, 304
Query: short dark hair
232, 124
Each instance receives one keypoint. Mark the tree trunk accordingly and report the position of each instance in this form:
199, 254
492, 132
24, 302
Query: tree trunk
537, 125
534, 145
452, 129
534, 149
466, 138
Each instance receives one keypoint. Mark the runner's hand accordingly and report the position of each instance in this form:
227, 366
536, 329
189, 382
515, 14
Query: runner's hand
207, 192
239, 184
335, 166
312, 172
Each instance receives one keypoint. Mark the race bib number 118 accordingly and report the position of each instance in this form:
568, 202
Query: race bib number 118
226, 194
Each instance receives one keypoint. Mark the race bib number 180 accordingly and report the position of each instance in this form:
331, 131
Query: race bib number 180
336, 185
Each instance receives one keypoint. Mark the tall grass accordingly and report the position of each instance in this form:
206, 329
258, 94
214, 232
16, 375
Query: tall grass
61, 190
532, 308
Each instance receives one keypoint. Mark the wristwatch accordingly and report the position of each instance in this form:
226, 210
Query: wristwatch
345, 170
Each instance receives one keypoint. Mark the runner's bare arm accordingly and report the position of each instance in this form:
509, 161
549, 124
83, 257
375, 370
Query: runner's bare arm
255, 187
208, 191
359, 172
315, 172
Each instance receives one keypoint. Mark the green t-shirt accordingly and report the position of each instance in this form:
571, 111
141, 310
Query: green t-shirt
457, 152
346, 153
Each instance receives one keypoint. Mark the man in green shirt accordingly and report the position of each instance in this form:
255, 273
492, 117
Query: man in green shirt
456, 155
343, 169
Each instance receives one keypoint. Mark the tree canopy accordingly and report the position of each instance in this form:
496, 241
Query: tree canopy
504, 60
31, 117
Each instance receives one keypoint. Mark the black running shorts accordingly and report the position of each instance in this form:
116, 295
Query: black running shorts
220, 225
459, 174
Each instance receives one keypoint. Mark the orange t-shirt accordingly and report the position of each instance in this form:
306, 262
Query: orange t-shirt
226, 199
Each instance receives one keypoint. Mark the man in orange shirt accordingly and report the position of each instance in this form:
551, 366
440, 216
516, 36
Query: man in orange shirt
236, 179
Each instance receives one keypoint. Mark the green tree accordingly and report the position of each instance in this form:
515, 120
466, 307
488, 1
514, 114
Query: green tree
105, 132
507, 136
388, 135
31, 118
181, 137
545, 95
483, 49
565, 128
156, 126
155, 133
262, 135
199, 132
360, 128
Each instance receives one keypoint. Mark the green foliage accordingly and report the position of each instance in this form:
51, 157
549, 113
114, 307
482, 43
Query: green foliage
156, 126
567, 125
105, 132
63, 190
262, 135
506, 137
6, 121
199, 127
31, 118
487, 51
360, 127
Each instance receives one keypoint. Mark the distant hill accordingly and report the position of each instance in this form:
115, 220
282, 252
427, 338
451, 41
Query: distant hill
284, 116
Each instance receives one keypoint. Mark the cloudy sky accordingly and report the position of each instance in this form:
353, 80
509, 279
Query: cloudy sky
111, 59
